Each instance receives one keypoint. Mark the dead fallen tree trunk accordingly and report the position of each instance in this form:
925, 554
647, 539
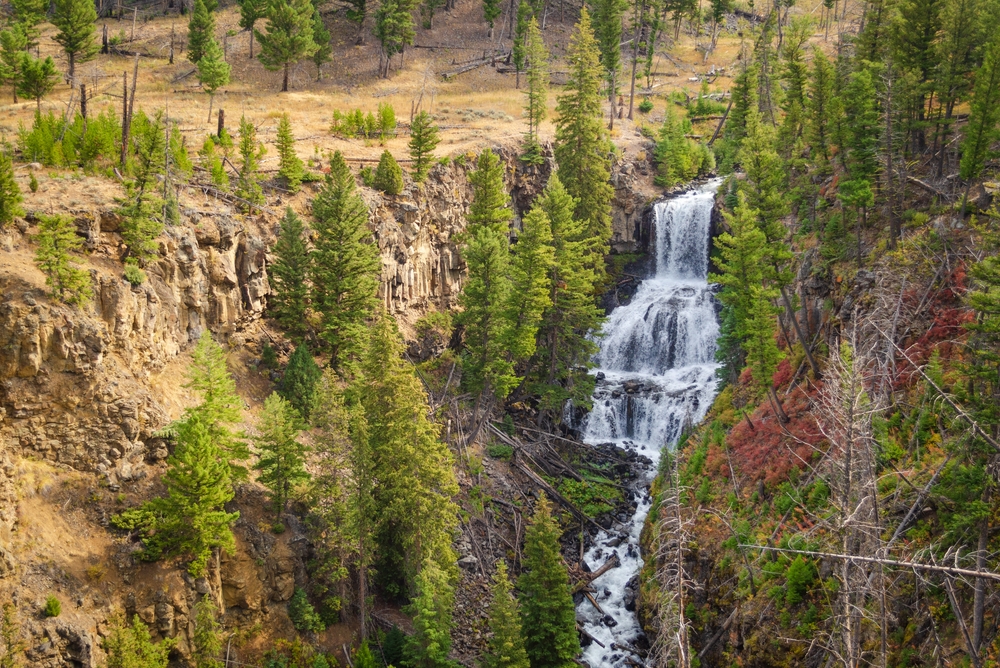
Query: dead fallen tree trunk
551, 491
613, 562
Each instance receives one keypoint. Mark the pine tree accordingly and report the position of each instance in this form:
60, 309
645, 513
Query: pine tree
984, 118
191, 518
220, 404
289, 297
536, 95
321, 38
491, 12
486, 369
607, 23
289, 36
564, 335
388, 175
760, 345
13, 42
37, 78
675, 155
132, 647
10, 192
345, 263
505, 649
765, 182
251, 151
863, 137
430, 643
423, 140
207, 639
744, 97
582, 149
290, 166
517, 52
56, 238
213, 71
140, 208
201, 30
957, 44
298, 385
819, 108
282, 457
413, 513
427, 9
11, 648
531, 265
393, 29
547, 613
252, 11
75, 20
27, 14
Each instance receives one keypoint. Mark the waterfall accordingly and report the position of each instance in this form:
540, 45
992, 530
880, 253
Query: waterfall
656, 375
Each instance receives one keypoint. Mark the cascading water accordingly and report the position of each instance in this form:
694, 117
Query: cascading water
656, 375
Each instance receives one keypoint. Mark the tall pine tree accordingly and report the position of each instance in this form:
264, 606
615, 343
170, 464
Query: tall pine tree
201, 29
289, 298
536, 94
505, 649
423, 140
75, 20
288, 36
430, 643
281, 463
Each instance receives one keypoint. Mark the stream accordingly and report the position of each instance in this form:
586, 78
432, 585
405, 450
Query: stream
655, 375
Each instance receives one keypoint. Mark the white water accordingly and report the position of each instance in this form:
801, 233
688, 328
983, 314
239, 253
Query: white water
664, 339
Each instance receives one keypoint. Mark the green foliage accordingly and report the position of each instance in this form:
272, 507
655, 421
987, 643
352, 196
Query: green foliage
52, 607
32, 182
10, 192
984, 115
201, 31
281, 463
251, 11
132, 647
798, 578
345, 263
431, 608
56, 239
251, 151
75, 20
37, 78
679, 159
364, 658
298, 384
207, 639
591, 496
213, 70
518, 57
302, 613
13, 42
132, 273
491, 12
321, 38
500, 451
607, 21
423, 140
388, 175
290, 167
393, 647
505, 648
289, 277
645, 106
288, 37
536, 95
141, 209
11, 649
393, 29
212, 161
547, 612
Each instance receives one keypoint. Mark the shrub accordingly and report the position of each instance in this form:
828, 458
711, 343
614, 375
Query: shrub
52, 607
33, 183
278, 528
133, 274
646, 105
268, 357
368, 176
392, 647
500, 451
302, 614
386, 121
388, 175
799, 577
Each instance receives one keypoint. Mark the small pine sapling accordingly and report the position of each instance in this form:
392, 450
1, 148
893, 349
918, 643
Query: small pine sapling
423, 140
388, 175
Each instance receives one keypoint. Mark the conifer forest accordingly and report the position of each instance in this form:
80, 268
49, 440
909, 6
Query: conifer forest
499, 333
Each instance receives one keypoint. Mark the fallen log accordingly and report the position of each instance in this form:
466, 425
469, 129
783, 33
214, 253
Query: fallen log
590, 637
613, 562
552, 491
593, 602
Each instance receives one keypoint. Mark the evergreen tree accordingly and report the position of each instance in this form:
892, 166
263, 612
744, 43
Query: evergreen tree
413, 513
213, 71
289, 298
132, 647
38, 77
529, 296
356, 13
220, 404
607, 23
486, 368
56, 238
321, 37
564, 335
819, 109
140, 208
676, 156
427, 9
760, 345
207, 639
251, 151
27, 14
765, 182
290, 166
547, 613
744, 97
423, 140
252, 11
388, 175
430, 643
957, 45
393, 29
191, 519
289, 36
10, 192
75, 20
298, 385
536, 95
984, 118
491, 12
582, 149
863, 137
282, 457
13, 43
518, 48
345, 263
505, 649
11, 649
201, 31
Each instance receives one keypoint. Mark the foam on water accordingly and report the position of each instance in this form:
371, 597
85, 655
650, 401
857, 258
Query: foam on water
657, 354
